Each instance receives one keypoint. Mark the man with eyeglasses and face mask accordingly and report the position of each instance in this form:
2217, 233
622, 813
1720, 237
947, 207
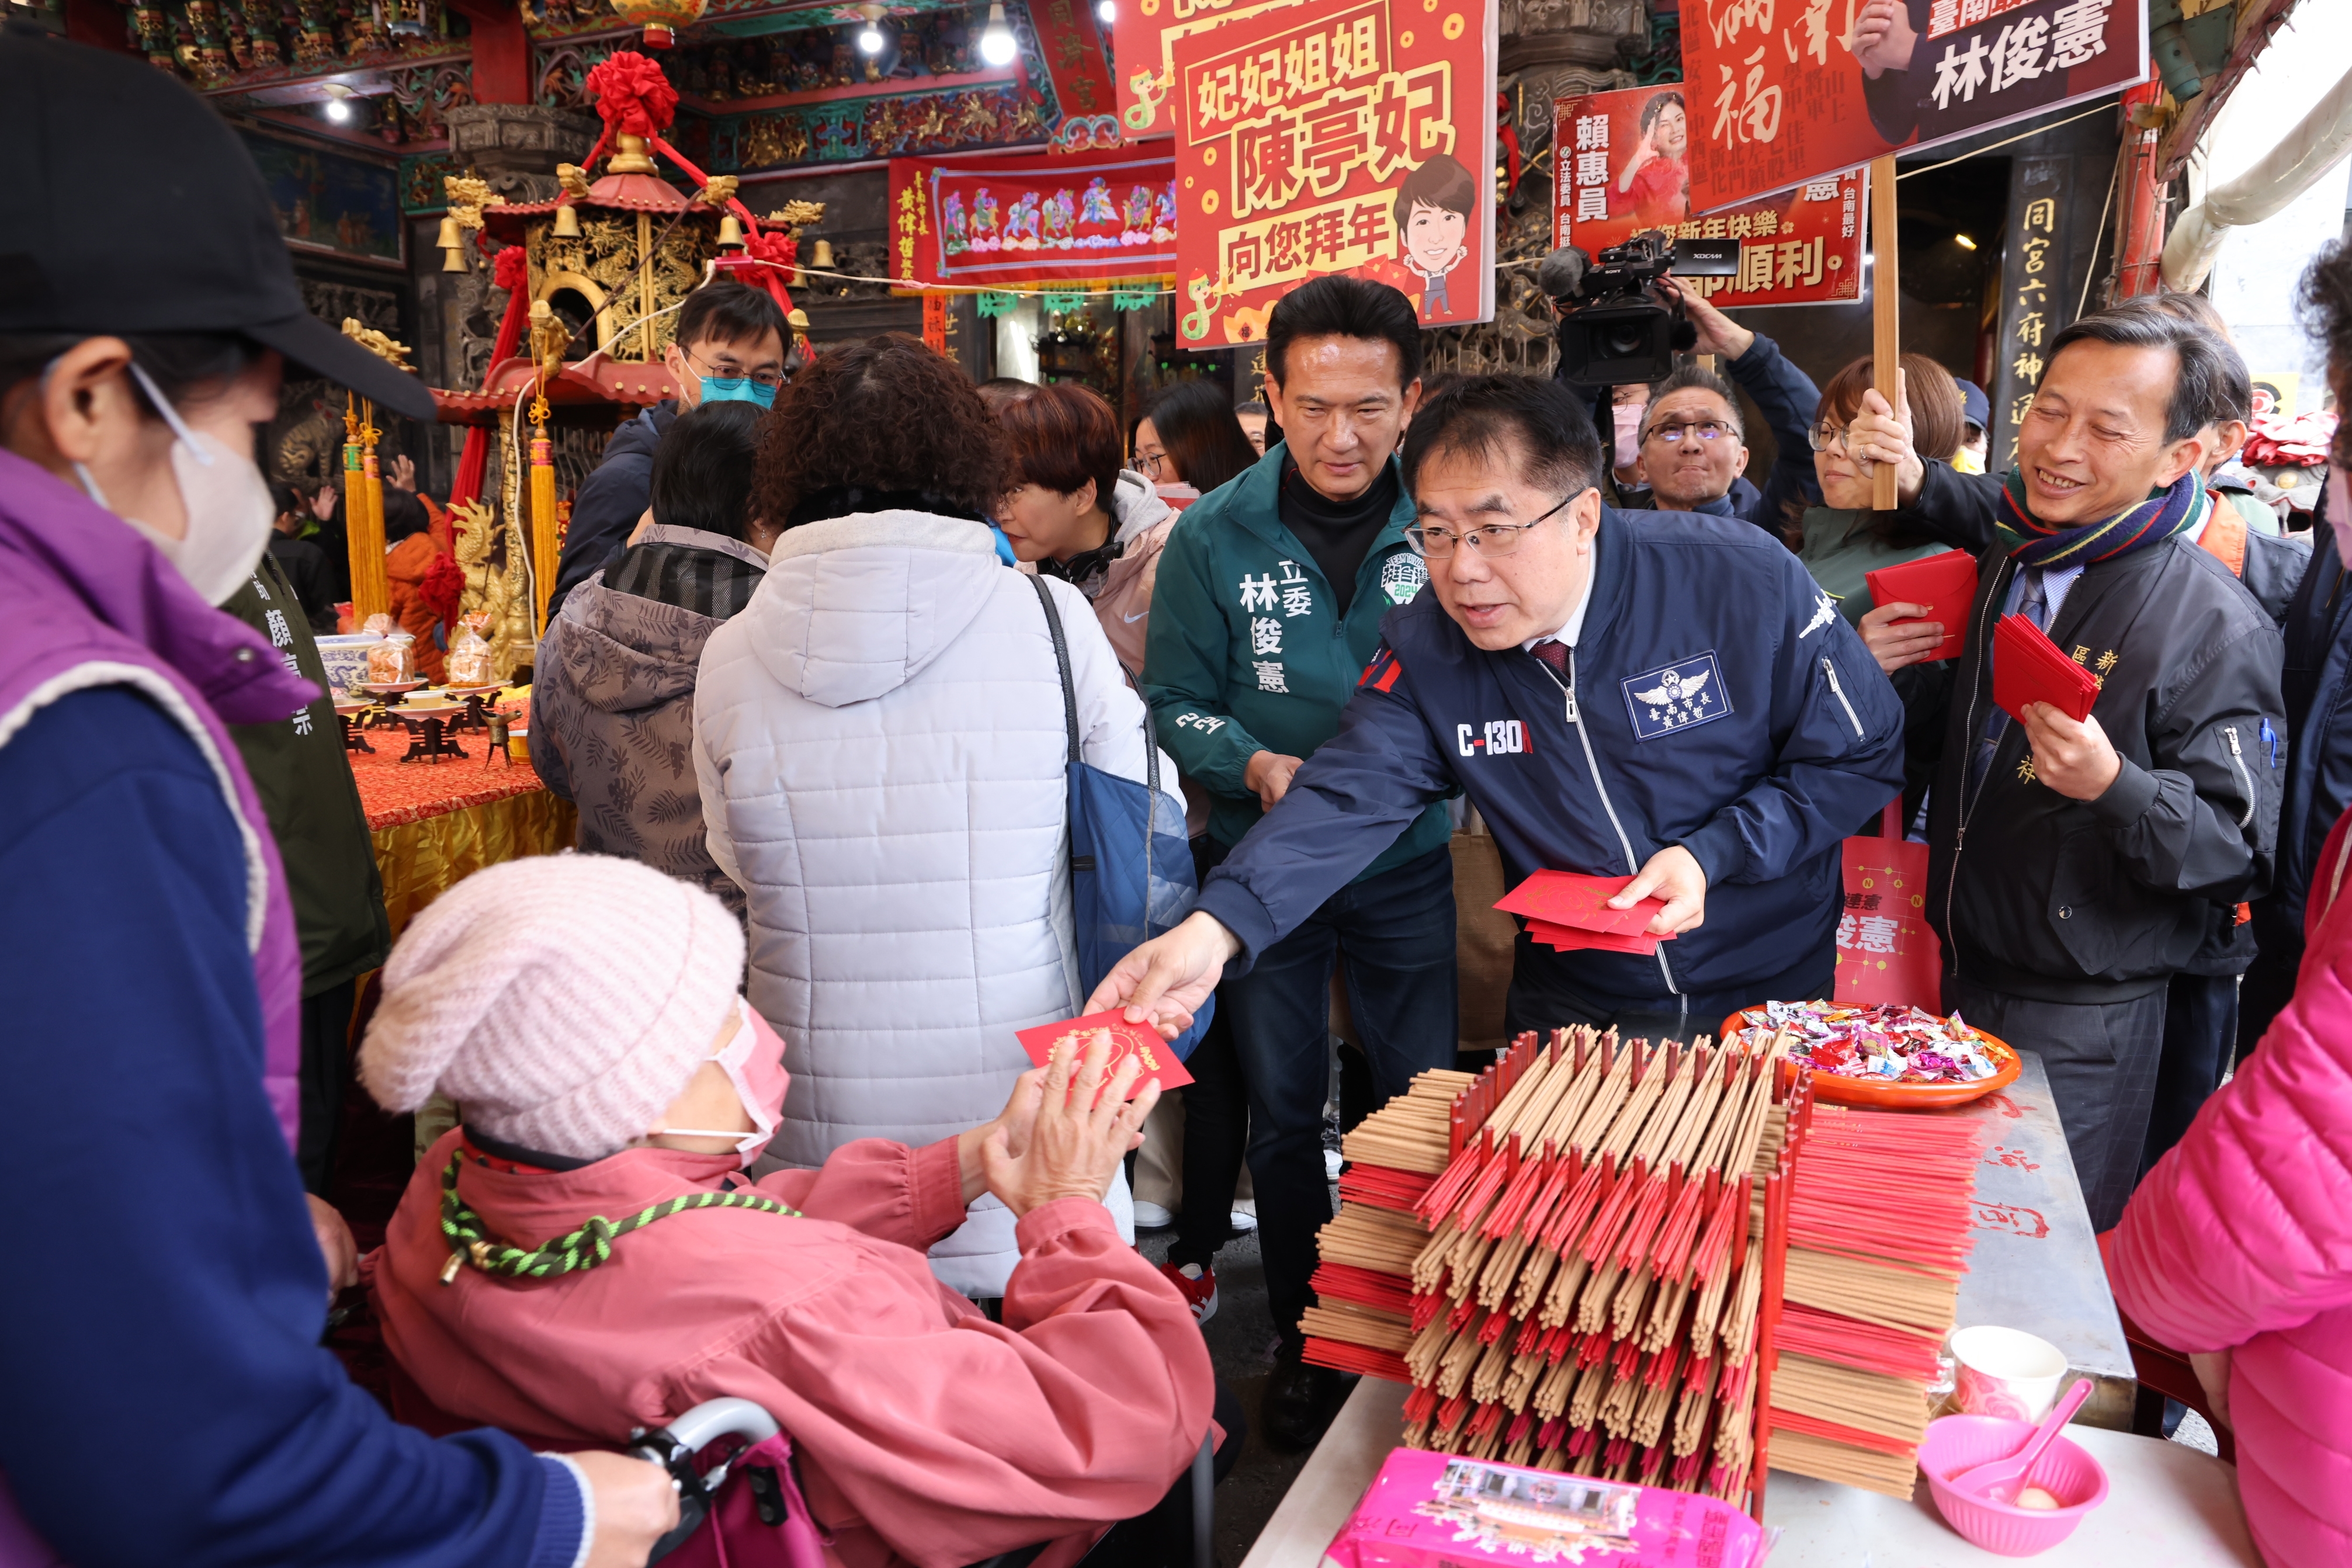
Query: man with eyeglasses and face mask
1692, 452
731, 346
1670, 699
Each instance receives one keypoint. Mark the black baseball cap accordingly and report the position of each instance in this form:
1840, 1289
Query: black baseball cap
132, 207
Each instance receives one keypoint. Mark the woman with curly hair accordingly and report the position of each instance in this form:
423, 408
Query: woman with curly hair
881, 743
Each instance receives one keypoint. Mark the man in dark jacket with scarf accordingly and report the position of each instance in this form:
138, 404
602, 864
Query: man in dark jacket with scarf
731, 345
2075, 865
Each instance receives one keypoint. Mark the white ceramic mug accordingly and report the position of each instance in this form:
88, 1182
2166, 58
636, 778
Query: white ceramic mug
2006, 1373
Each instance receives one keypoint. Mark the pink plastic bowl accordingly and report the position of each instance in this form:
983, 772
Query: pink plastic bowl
2065, 1472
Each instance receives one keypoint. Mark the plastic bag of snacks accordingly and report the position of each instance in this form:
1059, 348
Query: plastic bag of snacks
470, 653
390, 662
1437, 1511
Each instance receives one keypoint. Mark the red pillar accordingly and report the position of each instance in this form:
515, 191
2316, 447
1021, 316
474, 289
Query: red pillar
99, 24
2139, 203
501, 51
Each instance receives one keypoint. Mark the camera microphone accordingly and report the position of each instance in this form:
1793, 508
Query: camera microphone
1562, 273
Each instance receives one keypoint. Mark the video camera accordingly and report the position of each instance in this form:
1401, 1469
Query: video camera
1614, 328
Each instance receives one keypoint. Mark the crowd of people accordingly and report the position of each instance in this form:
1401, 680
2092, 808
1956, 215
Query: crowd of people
830, 640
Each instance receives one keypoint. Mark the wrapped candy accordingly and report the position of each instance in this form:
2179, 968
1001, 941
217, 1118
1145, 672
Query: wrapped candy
1885, 1042
390, 662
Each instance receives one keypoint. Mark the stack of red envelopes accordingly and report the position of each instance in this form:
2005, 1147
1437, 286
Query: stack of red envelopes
2026, 666
1946, 582
1566, 910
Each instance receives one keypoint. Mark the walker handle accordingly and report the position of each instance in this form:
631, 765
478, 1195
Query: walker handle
674, 1449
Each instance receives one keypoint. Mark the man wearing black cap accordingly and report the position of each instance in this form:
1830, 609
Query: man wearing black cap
147, 952
1976, 421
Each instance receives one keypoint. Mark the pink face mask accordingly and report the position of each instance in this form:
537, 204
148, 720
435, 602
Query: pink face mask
754, 1062
1627, 418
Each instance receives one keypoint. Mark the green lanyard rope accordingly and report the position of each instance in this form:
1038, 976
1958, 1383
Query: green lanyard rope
581, 1251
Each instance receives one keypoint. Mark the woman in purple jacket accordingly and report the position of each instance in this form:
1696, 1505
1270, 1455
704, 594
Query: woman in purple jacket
168, 1400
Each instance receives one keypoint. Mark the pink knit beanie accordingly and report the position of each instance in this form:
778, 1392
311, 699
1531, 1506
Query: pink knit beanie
562, 1000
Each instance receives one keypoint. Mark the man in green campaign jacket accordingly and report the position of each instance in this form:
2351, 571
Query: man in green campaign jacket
1267, 610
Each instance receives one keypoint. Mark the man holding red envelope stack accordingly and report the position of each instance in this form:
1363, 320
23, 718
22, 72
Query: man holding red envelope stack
2104, 779
1669, 727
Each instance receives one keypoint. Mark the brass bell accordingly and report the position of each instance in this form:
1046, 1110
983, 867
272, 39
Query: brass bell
730, 232
821, 258
452, 236
567, 222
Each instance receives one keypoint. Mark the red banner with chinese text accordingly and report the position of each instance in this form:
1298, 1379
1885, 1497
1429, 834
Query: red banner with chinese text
1143, 42
1045, 220
1887, 952
1352, 136
1783, 91
1071, 47
1623, 169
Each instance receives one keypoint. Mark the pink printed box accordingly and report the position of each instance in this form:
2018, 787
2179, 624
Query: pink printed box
1434, 1510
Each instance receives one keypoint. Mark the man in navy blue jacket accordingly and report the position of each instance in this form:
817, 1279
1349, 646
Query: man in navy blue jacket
1671, 700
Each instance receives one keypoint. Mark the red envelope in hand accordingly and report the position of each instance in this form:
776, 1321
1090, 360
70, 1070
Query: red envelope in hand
1944, 582
1126, 1040
1568, 939
2028, 668
1573, 899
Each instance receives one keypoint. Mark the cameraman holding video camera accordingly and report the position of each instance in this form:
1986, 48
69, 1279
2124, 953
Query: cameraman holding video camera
1692, 452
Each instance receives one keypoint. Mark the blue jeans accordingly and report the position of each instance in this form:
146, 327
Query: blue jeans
1396, 932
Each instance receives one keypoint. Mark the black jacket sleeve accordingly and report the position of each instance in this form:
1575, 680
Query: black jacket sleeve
1789, 400
1962, 510
608, 506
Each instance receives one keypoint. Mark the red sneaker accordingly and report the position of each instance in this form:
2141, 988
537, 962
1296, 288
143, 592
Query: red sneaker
1198, 1288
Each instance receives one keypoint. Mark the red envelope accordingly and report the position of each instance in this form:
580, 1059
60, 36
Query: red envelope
1568, 939
2028, 668
1944, 582
1126, 1040
1573, 899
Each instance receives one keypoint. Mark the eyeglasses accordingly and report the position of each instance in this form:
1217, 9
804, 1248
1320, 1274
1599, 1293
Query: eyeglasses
1705, 429
1825, 436
1488, 540
1149, 464
726, 372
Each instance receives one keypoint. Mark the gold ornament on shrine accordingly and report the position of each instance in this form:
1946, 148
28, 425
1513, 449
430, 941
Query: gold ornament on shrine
364, 483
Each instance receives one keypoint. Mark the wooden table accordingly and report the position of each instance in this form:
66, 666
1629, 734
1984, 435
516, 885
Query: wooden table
2166, 1505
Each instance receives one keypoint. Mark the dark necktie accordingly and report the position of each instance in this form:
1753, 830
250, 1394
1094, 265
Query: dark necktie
1555, 654
2033, 603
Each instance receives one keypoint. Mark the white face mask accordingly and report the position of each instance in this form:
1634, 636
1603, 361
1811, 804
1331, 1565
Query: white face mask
2339, 509
227, 504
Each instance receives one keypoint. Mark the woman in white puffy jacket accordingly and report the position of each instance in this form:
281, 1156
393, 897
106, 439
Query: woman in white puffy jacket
881, 741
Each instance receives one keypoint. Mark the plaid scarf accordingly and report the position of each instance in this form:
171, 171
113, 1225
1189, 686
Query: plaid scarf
2037, 543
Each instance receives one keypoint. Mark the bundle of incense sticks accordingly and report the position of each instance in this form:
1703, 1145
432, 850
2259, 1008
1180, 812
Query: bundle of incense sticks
1592, 1293
1869, 1298
1363, 1285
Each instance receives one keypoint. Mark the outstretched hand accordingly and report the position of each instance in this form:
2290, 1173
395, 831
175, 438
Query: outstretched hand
1084, 1127
1164, 982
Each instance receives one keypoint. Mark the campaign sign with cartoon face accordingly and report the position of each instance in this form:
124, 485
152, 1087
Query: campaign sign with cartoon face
1335, 136
1623, 162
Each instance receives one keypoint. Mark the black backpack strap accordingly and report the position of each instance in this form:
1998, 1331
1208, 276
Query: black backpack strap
1061, 657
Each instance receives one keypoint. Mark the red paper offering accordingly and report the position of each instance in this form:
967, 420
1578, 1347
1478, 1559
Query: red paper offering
2028, 668
1573, 899
1568, 939
1126, 1040
1944, 582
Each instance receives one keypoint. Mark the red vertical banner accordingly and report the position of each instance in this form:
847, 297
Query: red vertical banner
1887, 952
1623, 169
1071, 47
935, 323
1782, 91
1335, 137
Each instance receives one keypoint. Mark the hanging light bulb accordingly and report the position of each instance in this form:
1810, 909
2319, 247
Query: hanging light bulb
1108, 10
869, 38
996, 45
338, 102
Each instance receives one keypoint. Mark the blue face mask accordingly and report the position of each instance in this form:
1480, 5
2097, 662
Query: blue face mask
738, 389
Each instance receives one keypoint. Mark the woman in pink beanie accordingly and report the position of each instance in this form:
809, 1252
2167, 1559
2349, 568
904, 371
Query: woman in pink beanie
583, 1012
